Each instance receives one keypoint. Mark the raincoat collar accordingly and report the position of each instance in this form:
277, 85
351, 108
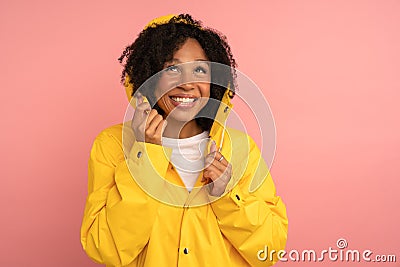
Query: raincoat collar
217, 132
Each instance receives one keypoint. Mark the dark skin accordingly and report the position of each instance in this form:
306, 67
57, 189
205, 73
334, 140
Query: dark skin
150, 126
181, 122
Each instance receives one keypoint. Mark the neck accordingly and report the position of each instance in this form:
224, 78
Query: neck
179, 129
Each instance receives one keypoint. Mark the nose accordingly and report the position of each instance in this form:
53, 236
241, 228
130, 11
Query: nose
187, 86
187, 81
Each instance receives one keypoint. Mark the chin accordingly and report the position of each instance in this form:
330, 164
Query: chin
180, 116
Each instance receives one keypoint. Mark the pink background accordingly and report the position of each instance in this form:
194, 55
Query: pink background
329, 69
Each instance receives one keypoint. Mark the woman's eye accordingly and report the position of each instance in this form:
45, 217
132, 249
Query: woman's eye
200, 70
172, 68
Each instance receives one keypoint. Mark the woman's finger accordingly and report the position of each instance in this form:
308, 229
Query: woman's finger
209, 159
219, 165
220, 158
211, 174
213, 147
152, 124
217, 160
143, 108
140, 115
153, 113
160, 129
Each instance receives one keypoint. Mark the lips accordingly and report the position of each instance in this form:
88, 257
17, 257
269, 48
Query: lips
183, 100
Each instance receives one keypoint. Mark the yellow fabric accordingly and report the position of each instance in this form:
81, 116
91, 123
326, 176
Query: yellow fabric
125, 226
159, 20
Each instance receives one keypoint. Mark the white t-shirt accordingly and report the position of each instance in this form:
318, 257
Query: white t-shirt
188, 156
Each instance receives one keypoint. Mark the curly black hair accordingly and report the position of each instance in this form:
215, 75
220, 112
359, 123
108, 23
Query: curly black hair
156, 45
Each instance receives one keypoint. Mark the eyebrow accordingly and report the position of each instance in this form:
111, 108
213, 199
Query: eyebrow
175, 60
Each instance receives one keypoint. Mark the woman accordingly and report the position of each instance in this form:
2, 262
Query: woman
154, 199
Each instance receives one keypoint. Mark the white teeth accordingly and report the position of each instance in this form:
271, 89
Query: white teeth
183, 99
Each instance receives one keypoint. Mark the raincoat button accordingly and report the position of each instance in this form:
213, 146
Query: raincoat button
226, 109
186, 251
237, 197
139, 154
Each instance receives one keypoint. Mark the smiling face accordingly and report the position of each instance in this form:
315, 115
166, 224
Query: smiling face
183, 88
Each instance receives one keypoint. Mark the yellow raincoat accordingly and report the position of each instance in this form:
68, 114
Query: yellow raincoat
139, 213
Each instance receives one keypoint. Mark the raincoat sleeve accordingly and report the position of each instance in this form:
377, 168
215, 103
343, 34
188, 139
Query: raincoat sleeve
253, 220
118, 215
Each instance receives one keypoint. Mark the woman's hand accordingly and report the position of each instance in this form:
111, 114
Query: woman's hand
147, 124
218, 170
